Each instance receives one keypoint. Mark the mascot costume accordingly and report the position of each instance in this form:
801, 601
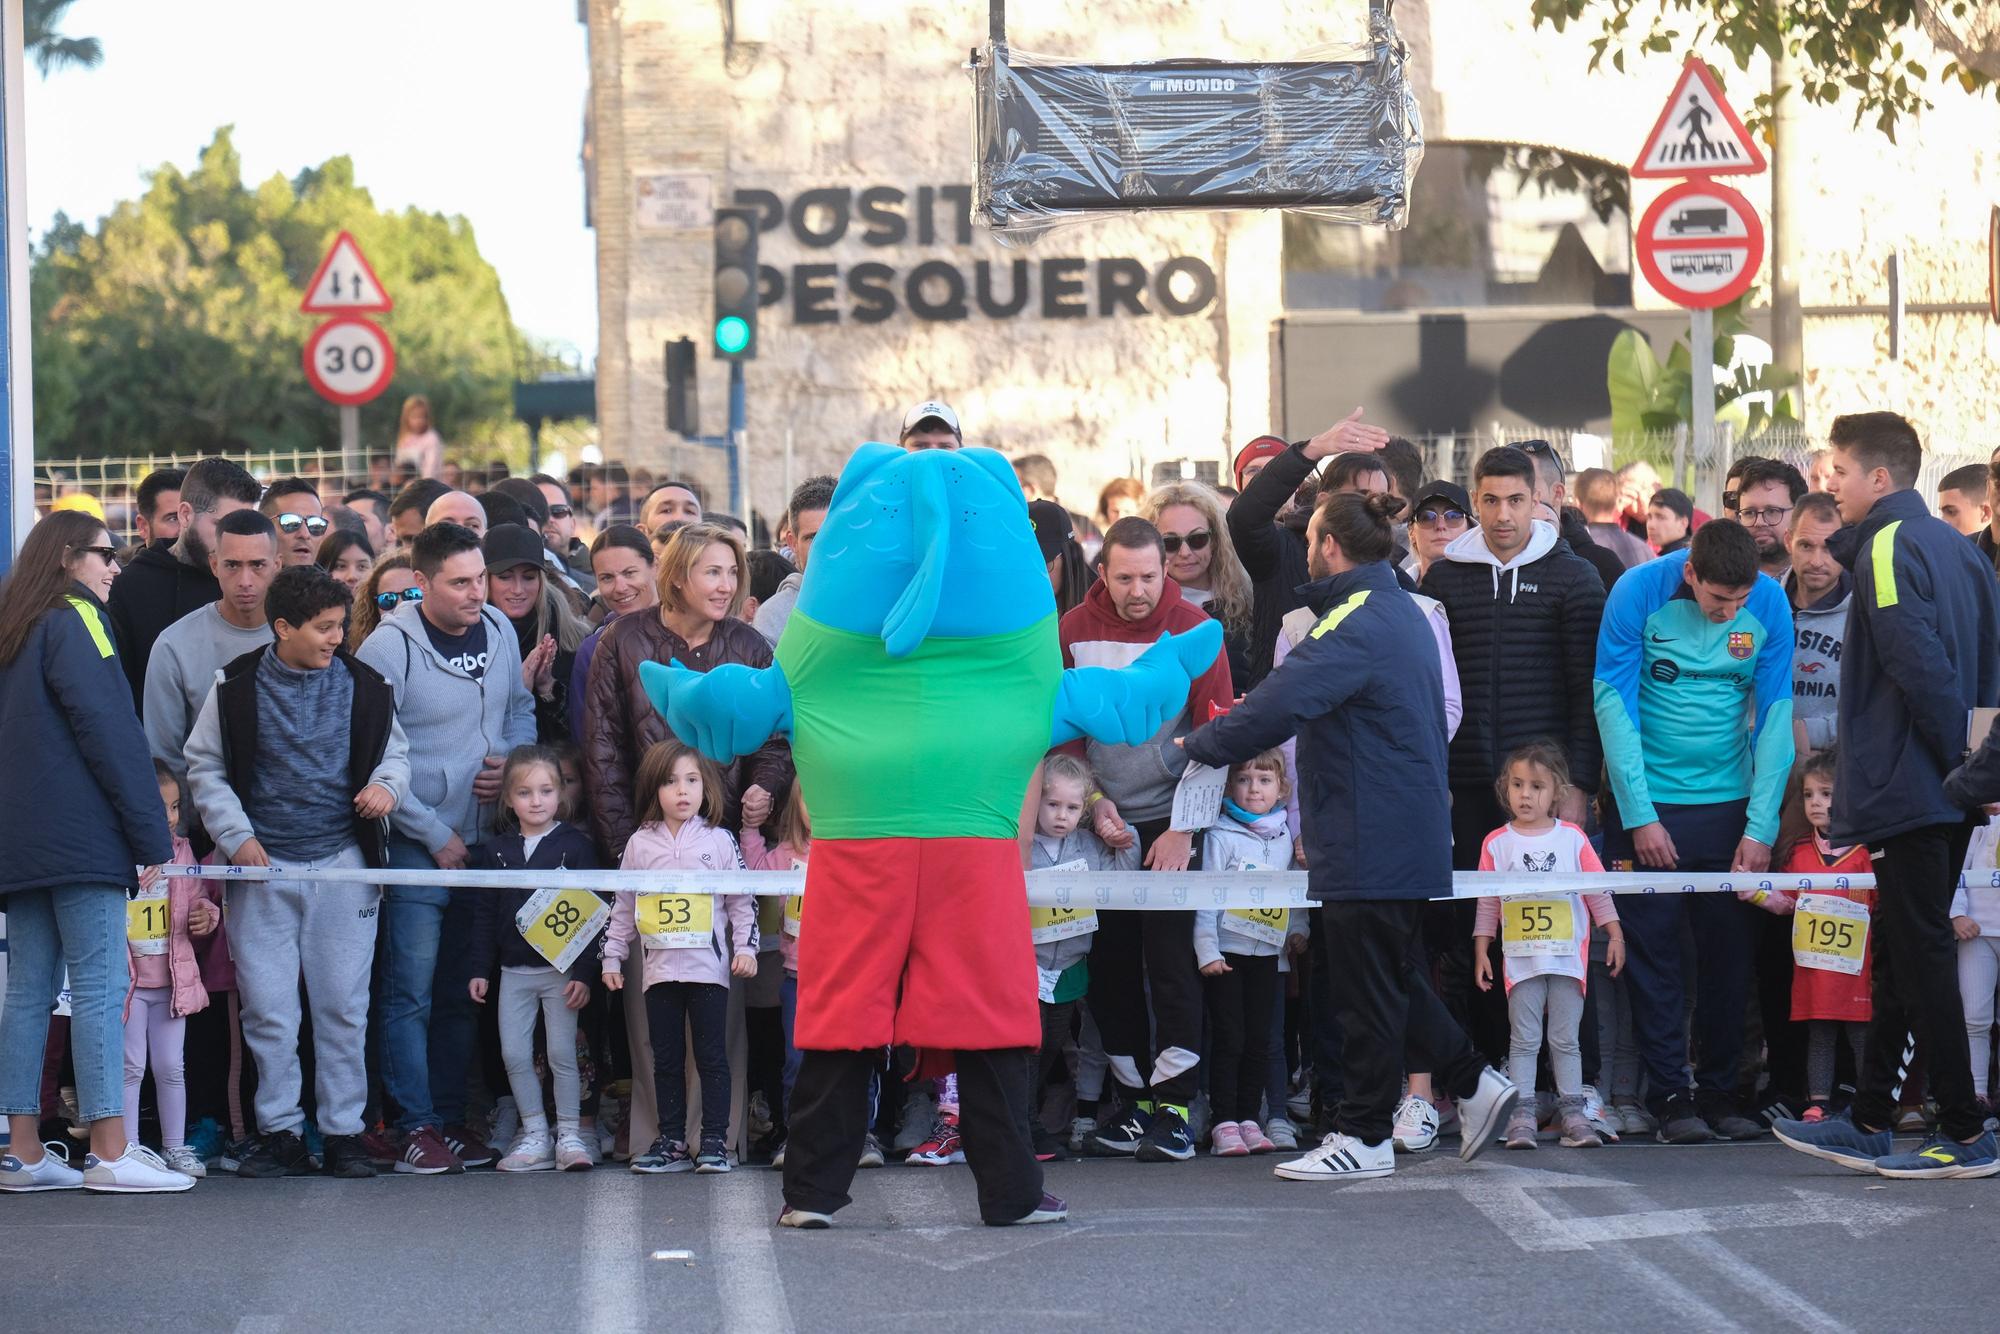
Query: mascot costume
920, 683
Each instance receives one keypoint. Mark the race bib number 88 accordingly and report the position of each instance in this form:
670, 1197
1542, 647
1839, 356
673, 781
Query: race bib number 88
559, 924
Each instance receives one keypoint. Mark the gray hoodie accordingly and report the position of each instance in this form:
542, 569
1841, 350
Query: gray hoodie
1082, 845
452, 721
1821, 632
775, 610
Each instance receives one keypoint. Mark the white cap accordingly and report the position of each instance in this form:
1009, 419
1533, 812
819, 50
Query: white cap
930, 408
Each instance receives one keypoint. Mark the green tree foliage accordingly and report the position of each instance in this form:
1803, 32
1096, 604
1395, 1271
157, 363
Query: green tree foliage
174, 325
1650, 397
1844, 50
50, 49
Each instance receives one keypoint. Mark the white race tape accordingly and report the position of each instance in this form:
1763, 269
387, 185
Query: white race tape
1111, 890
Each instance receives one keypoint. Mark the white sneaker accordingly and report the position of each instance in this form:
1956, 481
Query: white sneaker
184, 1160
1481, 1115
1340, 1158
139, 1172
573, 1152
1282, 1133
1599, 1116
1416, 1125
53, 1172
533, 1151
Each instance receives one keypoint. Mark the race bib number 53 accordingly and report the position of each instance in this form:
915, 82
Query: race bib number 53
676, 921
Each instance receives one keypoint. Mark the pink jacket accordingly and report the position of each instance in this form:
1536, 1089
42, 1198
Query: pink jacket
182, 970
758, 857
698, 847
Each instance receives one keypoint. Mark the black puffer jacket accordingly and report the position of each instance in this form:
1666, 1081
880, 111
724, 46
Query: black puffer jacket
1525, 638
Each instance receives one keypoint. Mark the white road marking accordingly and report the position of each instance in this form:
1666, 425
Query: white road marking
1858, 1217
610, 1250
747, 1283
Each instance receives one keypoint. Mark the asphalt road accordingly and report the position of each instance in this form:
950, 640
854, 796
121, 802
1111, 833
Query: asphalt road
1634, 1237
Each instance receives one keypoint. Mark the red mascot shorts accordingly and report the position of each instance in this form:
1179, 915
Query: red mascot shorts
922, 942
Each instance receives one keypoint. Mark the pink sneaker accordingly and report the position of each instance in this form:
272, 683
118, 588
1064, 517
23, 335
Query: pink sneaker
1255, 1140
1226, 1141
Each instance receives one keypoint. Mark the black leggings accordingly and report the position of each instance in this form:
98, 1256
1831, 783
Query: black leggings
673, 1011
1239, 1028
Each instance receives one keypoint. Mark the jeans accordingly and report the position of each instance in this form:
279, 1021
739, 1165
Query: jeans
81, 927
428, 1023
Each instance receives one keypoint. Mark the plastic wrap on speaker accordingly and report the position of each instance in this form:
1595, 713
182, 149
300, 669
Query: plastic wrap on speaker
1334, 133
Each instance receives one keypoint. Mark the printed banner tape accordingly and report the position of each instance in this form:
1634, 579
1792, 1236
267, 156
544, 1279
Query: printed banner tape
1108, 890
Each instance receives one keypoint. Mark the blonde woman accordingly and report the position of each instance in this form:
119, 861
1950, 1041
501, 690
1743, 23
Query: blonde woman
1202, 561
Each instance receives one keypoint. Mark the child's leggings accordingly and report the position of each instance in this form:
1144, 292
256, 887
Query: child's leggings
522, 996
1978, 975
1549, 1006
153, 1024
1821, 1037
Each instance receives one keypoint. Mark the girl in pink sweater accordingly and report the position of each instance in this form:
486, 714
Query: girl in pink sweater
694, 942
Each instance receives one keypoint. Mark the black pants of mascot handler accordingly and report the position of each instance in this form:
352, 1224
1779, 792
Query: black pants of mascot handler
829, 1120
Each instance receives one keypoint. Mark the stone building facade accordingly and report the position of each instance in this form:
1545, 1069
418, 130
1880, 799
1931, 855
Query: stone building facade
1118, 347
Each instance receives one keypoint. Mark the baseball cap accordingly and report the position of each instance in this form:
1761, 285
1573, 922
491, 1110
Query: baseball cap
1053, 530
1263, 447
928, 409
1450, 492
509, 544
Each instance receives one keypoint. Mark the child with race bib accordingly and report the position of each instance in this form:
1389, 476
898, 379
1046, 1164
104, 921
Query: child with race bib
694, 939
1544, 939
1237, 951
1831, 973
542, 941
161, 926
1062, 936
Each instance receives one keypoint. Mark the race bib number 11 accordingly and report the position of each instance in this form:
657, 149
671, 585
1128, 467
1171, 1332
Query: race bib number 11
146, 920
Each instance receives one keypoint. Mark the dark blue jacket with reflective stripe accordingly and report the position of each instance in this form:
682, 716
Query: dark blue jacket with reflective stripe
1365, 695
1922, 651
76, 778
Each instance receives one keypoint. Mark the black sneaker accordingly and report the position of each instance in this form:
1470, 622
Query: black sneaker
348, 1158
713, 1158
1680, 1123
1049, 1148
282, 1154
234, 1152
1122, 1137
1167, 1140
1727, 1122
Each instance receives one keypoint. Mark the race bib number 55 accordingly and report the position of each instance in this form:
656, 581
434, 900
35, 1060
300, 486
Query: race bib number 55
1537, 926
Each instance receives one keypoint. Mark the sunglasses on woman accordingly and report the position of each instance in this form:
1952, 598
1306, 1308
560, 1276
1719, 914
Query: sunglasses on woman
388, 601
1436, 517
1196, 541
110, 554
314, 524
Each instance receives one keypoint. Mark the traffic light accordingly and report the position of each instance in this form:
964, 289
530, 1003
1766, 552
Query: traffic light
683, 407
735, 332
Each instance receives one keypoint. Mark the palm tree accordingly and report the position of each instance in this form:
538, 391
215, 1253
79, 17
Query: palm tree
51, 50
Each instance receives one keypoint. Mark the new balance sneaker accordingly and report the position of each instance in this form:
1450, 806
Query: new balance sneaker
1254, 1139
139, 1172
346, 1158
1481, 1115
1521, 1125
425, 1154
1680, 1123
51, 1172
282, 1154
1050, 1210
1168, 1139
1598, 1116
1226, 1141
1943, 1156
1282, 1133
531, 1151
713, 1160
871, 1153
384, 1147
664, 1155
1122, 1137
1836, 1140
573, 1151
1416, 1128
805, 1219
1340, 1158
467, 1145
183, 1159
943, 1147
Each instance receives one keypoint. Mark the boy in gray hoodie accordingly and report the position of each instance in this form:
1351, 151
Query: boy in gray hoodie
455, 666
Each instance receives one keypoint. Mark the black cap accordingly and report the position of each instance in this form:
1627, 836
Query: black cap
1677, 501
510, 544
1053, 530
1450, 492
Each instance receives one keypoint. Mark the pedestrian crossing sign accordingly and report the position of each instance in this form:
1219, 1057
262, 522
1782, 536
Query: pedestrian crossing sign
1698, 132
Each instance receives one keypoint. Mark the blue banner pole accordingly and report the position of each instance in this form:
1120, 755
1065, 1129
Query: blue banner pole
17, 435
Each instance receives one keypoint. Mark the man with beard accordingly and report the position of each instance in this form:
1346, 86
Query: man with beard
163, 584
1764, 495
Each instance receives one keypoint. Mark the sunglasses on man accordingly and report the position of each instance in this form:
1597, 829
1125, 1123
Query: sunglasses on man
388, 601
1196, 541
314, 524
560, 511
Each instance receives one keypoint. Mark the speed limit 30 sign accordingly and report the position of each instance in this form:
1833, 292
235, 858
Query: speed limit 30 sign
349, 361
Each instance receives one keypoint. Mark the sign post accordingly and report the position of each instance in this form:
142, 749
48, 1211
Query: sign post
348, 360
1700, 243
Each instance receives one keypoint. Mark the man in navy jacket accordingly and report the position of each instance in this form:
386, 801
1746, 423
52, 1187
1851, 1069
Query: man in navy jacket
1365, 695
1923, 649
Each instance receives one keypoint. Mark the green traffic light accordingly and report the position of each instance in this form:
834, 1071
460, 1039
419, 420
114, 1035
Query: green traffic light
732, 334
